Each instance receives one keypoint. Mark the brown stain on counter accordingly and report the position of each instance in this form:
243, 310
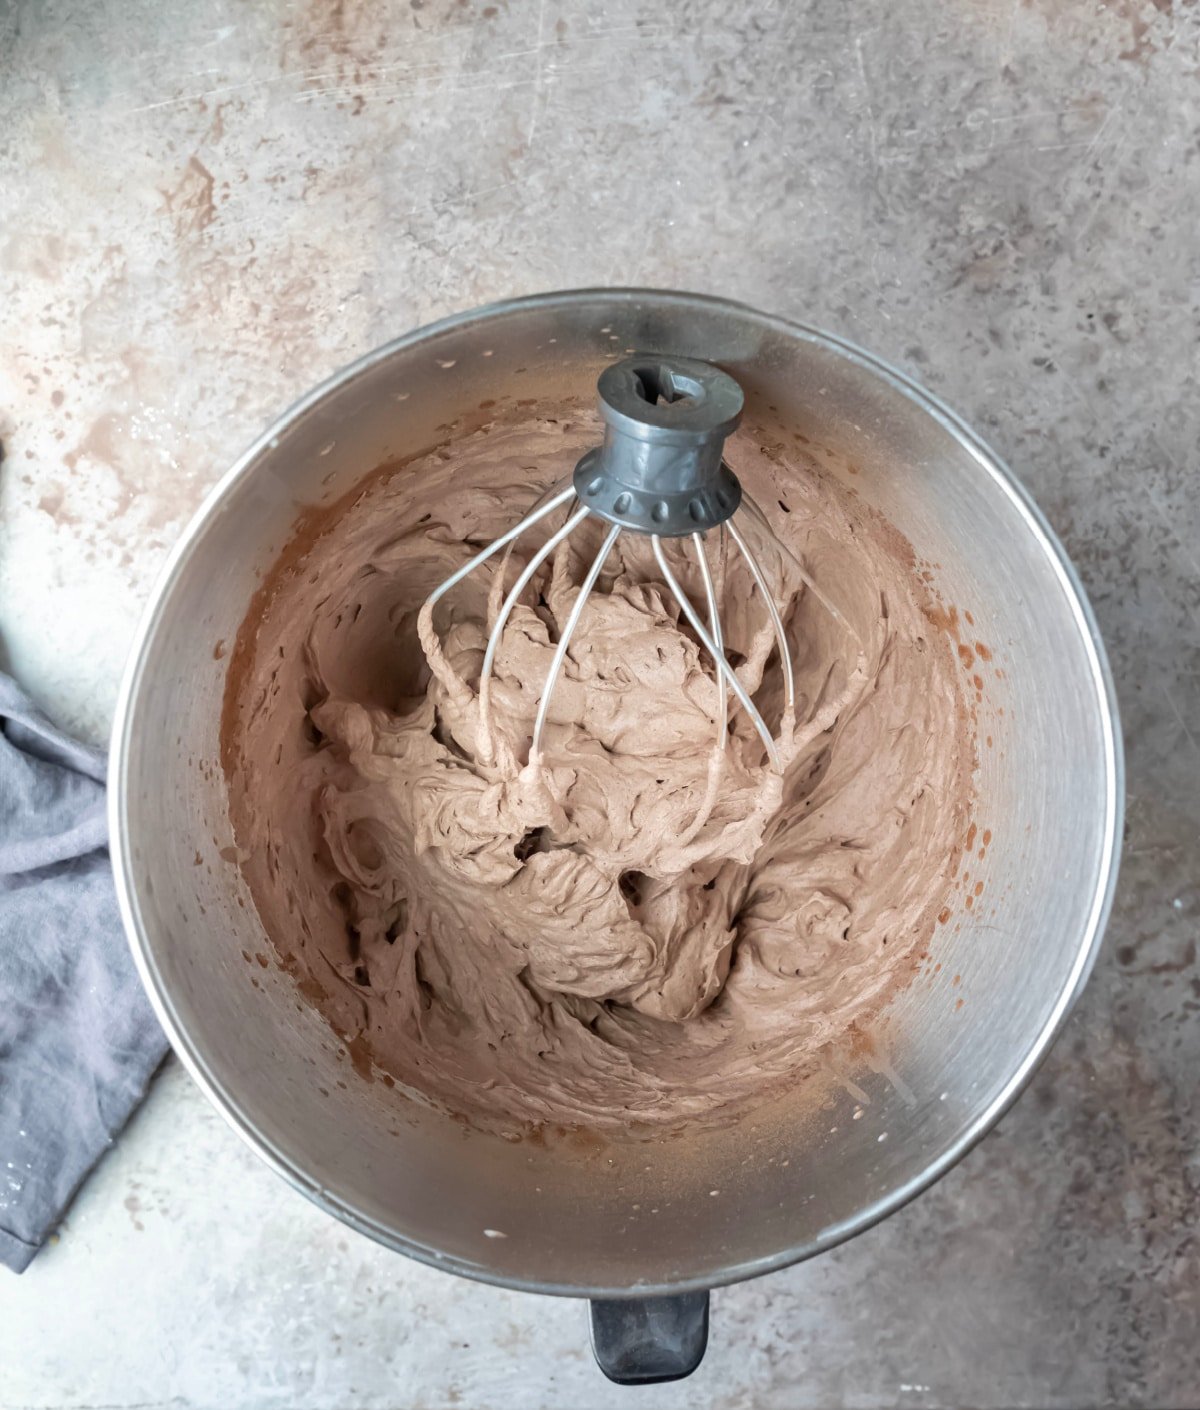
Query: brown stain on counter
191, 204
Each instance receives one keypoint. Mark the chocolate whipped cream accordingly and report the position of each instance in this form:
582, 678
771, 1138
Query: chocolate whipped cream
644, 925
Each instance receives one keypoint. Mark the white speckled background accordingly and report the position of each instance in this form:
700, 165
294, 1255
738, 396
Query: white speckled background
206, 207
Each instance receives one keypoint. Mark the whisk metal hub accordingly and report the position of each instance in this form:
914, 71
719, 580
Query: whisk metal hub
659, 470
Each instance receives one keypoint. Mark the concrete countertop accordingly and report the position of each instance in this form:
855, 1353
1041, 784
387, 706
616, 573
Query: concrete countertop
207, 207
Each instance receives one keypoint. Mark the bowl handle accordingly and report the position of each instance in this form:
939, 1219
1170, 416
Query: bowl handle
641, 1341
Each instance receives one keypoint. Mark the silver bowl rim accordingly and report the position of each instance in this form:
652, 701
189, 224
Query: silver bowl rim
226, 1101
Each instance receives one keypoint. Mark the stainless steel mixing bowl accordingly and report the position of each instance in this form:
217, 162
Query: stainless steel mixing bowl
635, 1222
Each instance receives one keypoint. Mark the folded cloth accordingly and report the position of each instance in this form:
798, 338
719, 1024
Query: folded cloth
78, 1039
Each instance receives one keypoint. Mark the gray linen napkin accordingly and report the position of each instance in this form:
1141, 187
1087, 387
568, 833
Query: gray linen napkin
78, 1039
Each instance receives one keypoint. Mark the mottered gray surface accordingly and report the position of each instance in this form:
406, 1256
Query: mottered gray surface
207, 207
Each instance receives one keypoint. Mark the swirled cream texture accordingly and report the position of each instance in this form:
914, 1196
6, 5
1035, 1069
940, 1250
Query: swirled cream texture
647, 924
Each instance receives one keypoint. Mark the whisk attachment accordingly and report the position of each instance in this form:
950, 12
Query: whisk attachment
659, 472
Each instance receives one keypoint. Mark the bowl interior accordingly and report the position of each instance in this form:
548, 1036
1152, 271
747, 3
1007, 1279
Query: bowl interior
791, 1178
